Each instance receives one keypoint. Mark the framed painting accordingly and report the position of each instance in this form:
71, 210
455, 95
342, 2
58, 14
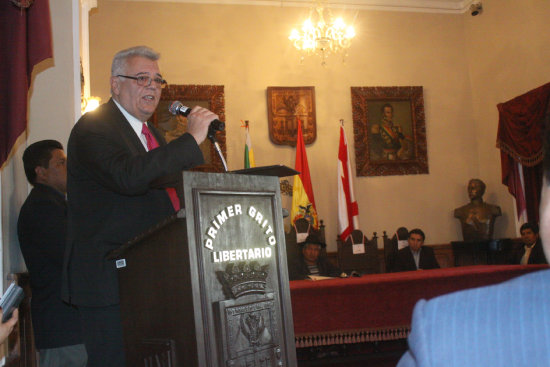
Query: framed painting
287, 105
207, 96
389, 131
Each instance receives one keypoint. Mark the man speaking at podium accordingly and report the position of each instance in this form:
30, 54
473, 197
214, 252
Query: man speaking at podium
122, 179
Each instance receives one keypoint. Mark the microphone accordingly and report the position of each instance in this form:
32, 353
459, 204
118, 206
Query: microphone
177, 108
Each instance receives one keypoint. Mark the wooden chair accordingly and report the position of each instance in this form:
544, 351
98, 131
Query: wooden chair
365, 262
391, 247
390, 252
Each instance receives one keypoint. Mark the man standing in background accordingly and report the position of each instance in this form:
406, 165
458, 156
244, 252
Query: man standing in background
42, 231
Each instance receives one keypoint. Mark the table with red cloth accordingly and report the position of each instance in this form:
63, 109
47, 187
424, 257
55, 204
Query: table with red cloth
379, 307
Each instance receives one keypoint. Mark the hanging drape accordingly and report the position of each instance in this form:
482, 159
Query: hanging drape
520, 140
25, 39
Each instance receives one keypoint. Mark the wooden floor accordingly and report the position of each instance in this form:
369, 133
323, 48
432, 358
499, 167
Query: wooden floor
383, 354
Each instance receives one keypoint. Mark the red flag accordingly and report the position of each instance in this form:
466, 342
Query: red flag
348, 212
25, 36
303, 202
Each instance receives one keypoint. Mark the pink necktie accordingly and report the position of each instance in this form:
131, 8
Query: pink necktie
153, 144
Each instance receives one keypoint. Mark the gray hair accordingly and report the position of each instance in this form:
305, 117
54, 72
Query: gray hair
121, 57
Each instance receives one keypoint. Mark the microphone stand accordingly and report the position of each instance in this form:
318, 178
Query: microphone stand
212, 136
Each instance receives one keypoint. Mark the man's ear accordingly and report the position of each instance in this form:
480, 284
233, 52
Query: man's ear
115, 85
40, 173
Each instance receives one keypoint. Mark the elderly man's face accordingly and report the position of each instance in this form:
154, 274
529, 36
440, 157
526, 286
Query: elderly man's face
139, 101
311, 253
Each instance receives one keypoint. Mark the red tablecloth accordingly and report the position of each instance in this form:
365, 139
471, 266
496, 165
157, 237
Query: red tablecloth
379, 306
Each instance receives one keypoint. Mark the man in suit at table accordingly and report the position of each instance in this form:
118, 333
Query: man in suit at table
499, 325
415, 256
122, 179
531, 252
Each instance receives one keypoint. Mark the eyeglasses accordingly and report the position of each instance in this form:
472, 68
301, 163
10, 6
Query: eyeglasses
145, 80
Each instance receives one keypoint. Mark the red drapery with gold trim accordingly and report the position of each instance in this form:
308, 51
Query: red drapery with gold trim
519, 138
25, 36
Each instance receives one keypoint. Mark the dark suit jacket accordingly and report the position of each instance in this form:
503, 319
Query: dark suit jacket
498, 325
42, 231
405, 260
116, 190
536, 256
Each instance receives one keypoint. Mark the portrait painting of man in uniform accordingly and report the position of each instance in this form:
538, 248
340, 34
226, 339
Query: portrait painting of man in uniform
389, 131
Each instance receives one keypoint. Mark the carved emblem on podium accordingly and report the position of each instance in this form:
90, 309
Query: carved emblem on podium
253, 326
248, 320
243, 278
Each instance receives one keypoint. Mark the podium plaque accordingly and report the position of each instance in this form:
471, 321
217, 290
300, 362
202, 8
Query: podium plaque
211, 288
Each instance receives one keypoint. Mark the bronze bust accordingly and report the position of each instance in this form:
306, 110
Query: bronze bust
477, 218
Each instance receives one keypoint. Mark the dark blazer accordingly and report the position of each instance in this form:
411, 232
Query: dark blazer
536, 256
498, 325
42, 231
116, 190
405, 259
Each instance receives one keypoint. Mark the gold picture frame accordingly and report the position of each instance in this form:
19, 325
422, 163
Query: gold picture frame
285, 105
208, 96
389, 131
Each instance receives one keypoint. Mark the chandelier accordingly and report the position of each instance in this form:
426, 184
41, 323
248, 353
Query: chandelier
321, 38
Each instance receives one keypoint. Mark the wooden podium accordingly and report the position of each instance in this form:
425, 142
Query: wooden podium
210, 287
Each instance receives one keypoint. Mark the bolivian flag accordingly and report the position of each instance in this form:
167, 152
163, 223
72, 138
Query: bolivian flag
248, 152
303, 202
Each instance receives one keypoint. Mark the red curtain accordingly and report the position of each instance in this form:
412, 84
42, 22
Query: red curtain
25, 36
520, 139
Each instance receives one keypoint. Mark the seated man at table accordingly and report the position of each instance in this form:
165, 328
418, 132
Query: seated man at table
310, 262
415, 256
531, 252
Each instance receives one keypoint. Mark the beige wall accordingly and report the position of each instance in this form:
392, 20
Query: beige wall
508, 55
466, 65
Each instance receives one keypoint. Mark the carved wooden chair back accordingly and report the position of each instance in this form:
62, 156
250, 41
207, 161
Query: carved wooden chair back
359, 254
